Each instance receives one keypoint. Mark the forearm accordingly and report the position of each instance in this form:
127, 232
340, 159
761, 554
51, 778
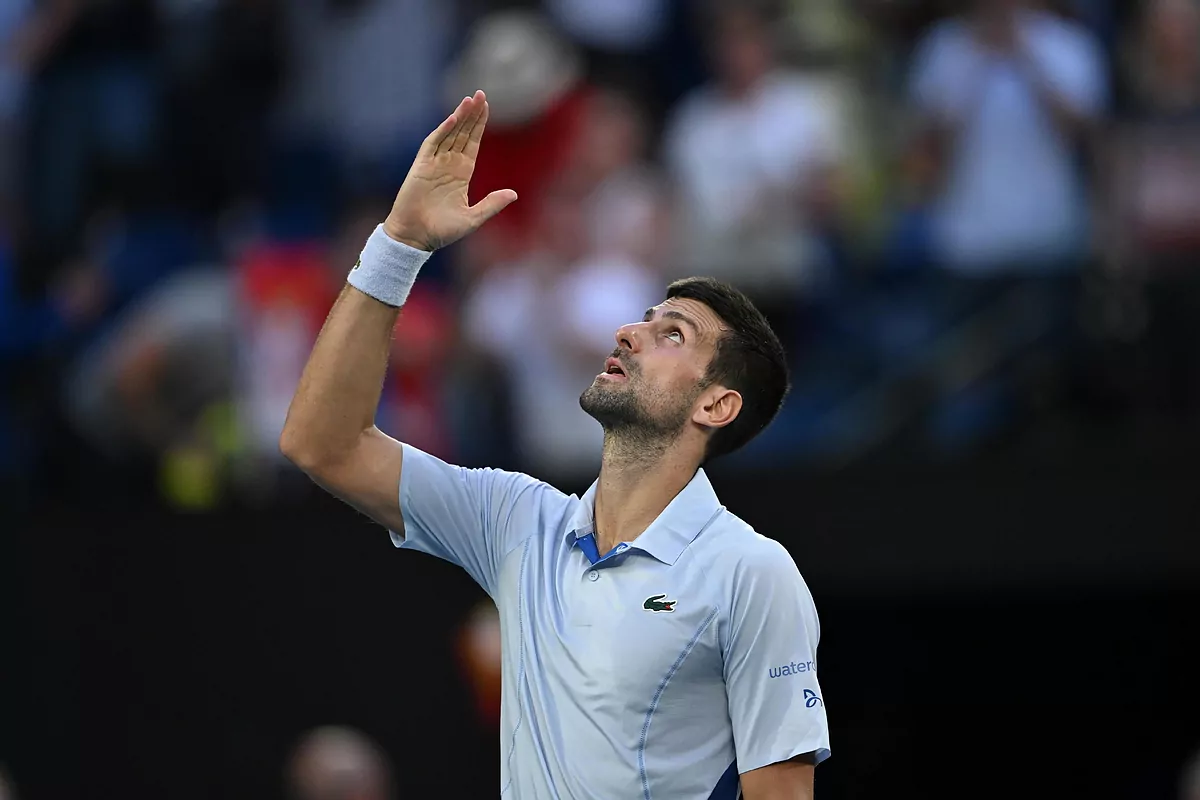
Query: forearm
1069, 122
330, 431
339, 390
784, 780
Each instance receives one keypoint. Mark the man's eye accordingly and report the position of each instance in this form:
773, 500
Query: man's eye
676, 335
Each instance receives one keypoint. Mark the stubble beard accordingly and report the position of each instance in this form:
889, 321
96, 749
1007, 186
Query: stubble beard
629, 426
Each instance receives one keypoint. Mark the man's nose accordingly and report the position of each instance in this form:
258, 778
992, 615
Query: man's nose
629, 336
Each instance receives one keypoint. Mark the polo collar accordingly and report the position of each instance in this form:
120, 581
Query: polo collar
672, 531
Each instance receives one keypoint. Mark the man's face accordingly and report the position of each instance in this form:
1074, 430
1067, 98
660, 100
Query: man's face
741, 49
650, 384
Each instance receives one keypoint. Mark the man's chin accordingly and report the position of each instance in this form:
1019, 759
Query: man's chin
602, 402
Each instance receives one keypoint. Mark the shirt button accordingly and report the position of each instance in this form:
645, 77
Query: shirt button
593, 575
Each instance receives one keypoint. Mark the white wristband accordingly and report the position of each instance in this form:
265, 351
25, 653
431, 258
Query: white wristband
387, 269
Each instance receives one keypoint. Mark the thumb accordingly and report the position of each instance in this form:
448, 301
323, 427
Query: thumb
492, 205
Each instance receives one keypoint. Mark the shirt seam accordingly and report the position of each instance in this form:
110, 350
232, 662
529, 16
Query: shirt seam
658, 696
512, 747
512, 507
708, 577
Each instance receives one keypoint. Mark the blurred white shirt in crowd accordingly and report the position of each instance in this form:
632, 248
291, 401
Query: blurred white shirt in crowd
368, 76
1013, 192
740, 164
625, 216
612, 24
551, 331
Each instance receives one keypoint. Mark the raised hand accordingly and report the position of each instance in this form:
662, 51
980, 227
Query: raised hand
431, 208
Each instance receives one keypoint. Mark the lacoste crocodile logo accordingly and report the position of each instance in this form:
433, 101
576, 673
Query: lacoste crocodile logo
657, 603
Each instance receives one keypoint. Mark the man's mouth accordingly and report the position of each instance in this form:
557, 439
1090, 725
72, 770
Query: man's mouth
613, 371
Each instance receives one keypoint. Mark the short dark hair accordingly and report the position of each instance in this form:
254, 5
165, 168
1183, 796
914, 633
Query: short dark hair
749, 359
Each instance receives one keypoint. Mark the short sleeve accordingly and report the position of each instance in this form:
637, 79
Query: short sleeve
775, 702
1072, 61
470, 517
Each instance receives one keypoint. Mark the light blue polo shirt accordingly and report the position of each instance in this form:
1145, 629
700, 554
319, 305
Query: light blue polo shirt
660, 670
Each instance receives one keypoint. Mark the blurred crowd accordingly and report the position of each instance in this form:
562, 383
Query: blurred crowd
968, 221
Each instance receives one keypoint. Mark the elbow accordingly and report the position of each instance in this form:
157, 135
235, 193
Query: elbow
291, 448
296, 448
312, 456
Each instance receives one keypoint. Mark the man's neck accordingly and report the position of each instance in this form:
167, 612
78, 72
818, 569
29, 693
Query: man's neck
637, 481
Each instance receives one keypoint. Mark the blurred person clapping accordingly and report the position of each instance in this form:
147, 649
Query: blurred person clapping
752, 157
1008, 93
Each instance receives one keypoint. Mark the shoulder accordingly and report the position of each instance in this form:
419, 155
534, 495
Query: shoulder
744, 558
759, 586
1060, 37
526, 490
499, 491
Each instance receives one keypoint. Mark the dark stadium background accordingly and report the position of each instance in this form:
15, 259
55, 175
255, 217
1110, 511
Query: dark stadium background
998, 520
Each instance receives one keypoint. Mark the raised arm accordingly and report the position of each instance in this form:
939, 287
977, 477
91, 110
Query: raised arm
330, 431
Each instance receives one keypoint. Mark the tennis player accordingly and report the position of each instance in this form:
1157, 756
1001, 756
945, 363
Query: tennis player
654, 645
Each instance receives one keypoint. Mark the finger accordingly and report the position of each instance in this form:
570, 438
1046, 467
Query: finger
430, 145
492, 205
461, 114
472, 148
463, 134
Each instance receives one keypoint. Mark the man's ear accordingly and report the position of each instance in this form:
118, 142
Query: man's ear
718, 407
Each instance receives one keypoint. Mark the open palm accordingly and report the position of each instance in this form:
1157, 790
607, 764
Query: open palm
431, 208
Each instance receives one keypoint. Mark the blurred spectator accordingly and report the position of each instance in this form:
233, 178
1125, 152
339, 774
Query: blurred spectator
30, 326
143, 387
1008, 93
478, 650
338, 763
621, 40
538, 102
284, 290
753, 157
1164, 62
145, 380
549, 320
364, 83
93, 111
222, 62
1156, 151
1153, 235
625, 202
622, 26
